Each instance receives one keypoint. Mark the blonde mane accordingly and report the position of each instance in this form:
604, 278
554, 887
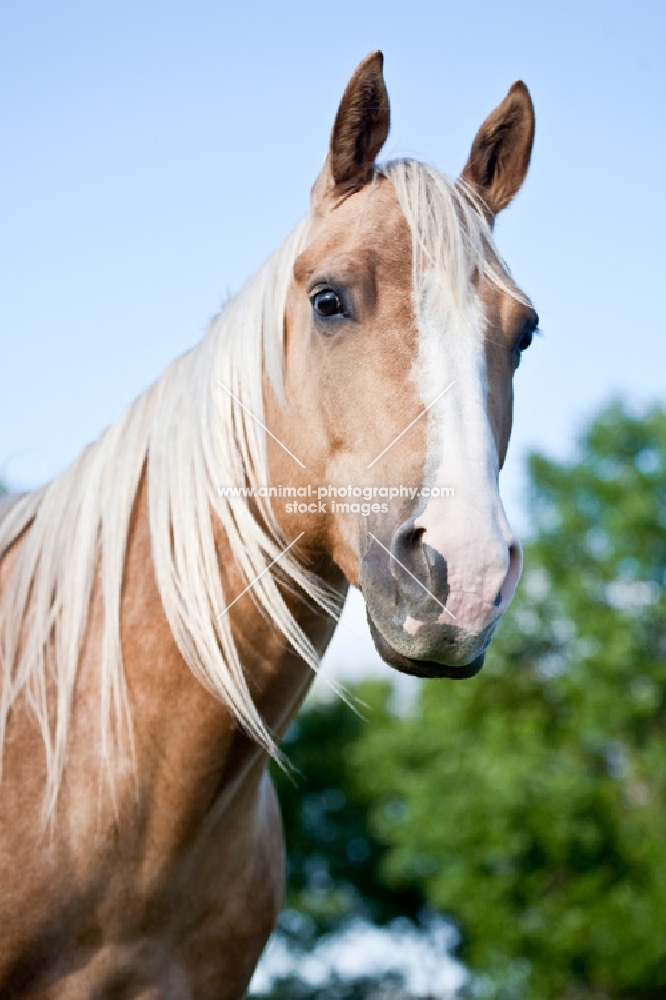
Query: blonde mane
189, 436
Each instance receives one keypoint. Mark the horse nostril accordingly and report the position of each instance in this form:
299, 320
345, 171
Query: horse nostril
407, 542
409, 567
411, 537
511, 577
515, 560
508, 587
418, 570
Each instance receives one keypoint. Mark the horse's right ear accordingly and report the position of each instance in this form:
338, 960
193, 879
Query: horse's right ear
359, 132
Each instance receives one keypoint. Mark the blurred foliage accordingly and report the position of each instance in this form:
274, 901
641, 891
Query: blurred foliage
366, 988
528, 803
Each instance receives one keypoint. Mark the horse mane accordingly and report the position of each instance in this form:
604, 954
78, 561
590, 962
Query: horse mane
188, 435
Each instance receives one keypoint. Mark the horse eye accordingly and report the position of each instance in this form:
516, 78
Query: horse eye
327, 303
525, 341
526, 336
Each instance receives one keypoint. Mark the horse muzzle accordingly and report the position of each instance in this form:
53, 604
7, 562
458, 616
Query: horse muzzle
426, 617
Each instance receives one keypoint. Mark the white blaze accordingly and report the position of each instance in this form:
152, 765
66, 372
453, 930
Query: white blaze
470, 529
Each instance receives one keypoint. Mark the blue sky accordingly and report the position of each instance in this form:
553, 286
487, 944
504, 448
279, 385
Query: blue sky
154, 154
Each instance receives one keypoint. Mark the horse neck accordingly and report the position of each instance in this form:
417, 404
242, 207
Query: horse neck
190, 750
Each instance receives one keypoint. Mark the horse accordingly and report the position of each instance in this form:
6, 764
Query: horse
165, 600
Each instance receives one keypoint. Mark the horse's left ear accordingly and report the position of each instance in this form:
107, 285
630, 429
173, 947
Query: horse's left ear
360, 129
501, 151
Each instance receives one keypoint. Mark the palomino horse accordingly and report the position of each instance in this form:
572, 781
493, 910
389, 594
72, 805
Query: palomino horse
157, 633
